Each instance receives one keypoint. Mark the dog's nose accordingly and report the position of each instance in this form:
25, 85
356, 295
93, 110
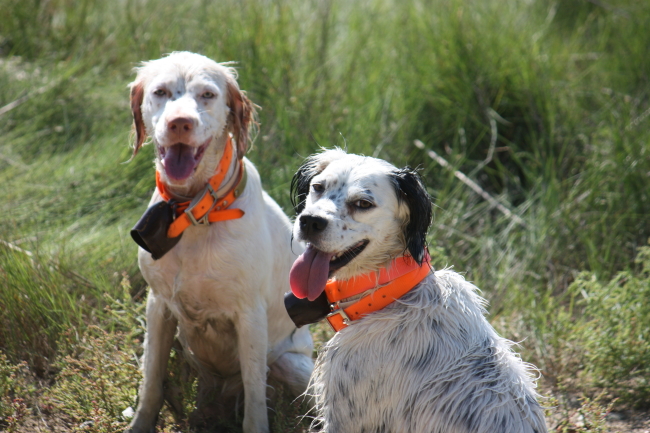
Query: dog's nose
312, 225
180, 125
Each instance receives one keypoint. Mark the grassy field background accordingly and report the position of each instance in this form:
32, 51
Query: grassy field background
545, 104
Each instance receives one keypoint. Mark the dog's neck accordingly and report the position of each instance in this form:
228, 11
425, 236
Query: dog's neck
204, 171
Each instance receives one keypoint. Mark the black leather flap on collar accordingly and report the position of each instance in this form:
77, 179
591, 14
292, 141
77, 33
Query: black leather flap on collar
151, 231
303, 311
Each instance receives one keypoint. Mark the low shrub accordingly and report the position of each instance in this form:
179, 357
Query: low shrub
614, 331
97, 384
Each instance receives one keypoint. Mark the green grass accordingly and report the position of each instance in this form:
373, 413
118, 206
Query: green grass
556, 92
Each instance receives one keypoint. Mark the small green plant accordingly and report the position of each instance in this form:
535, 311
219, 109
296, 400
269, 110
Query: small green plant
18, 414
589, 417
614, 331
122, 313
288, 415
98, 383
14, 389
7, 378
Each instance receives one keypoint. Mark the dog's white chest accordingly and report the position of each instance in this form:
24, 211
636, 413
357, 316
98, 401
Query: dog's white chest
203, 292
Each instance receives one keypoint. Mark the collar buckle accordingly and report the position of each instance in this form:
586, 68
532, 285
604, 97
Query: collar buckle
203, 221
331, 319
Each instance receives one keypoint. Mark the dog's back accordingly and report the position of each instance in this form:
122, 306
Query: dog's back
428, 363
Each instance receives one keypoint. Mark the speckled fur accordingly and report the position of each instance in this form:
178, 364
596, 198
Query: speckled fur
220, 289
428, 363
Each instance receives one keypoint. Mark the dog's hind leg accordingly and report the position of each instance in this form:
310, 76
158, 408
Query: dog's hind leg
294, 370
293, 363
161, 328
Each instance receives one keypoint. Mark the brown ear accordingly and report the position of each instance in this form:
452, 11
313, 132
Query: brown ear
137, 95
241, 118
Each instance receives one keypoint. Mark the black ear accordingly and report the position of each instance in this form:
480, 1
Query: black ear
300, 184
410, 190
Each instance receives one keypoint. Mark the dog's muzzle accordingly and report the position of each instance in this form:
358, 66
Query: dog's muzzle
151, 231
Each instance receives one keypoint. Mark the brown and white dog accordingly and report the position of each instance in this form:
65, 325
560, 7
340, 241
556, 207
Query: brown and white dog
219, 289
428, 362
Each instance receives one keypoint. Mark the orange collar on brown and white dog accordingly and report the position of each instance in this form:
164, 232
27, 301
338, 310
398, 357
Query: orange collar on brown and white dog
394, 282
207, 207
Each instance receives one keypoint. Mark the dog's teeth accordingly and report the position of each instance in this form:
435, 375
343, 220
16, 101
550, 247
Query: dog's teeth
336, 256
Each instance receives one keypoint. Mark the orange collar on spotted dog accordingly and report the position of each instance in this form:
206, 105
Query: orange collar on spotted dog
402, 275
207, 207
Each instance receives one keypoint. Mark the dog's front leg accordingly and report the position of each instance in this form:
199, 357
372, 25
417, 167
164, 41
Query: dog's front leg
161, 328
253, 344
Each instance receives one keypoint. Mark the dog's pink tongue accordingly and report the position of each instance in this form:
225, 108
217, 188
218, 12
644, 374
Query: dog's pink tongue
179, 161
309, 273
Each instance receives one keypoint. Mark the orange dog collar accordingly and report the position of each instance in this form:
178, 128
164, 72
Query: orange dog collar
207, 207
393, 282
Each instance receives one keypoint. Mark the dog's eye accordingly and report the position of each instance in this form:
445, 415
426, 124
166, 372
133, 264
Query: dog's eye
317, 187
160, 92
363, 204
208, 95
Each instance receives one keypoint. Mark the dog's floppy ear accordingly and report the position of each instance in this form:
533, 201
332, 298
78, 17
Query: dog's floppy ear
411, 191
137, 95
300, 184
312, 166
241, 117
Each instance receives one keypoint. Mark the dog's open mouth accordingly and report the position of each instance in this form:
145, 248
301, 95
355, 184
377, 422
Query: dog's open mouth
180, 160
311, 270
343, 258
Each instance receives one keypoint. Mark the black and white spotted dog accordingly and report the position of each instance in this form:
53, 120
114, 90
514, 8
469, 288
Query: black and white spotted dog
427, 363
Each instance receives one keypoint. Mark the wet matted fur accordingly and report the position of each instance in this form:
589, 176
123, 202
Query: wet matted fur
428, 363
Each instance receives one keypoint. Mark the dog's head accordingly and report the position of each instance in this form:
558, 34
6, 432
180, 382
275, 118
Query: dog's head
188, 104
357, 214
